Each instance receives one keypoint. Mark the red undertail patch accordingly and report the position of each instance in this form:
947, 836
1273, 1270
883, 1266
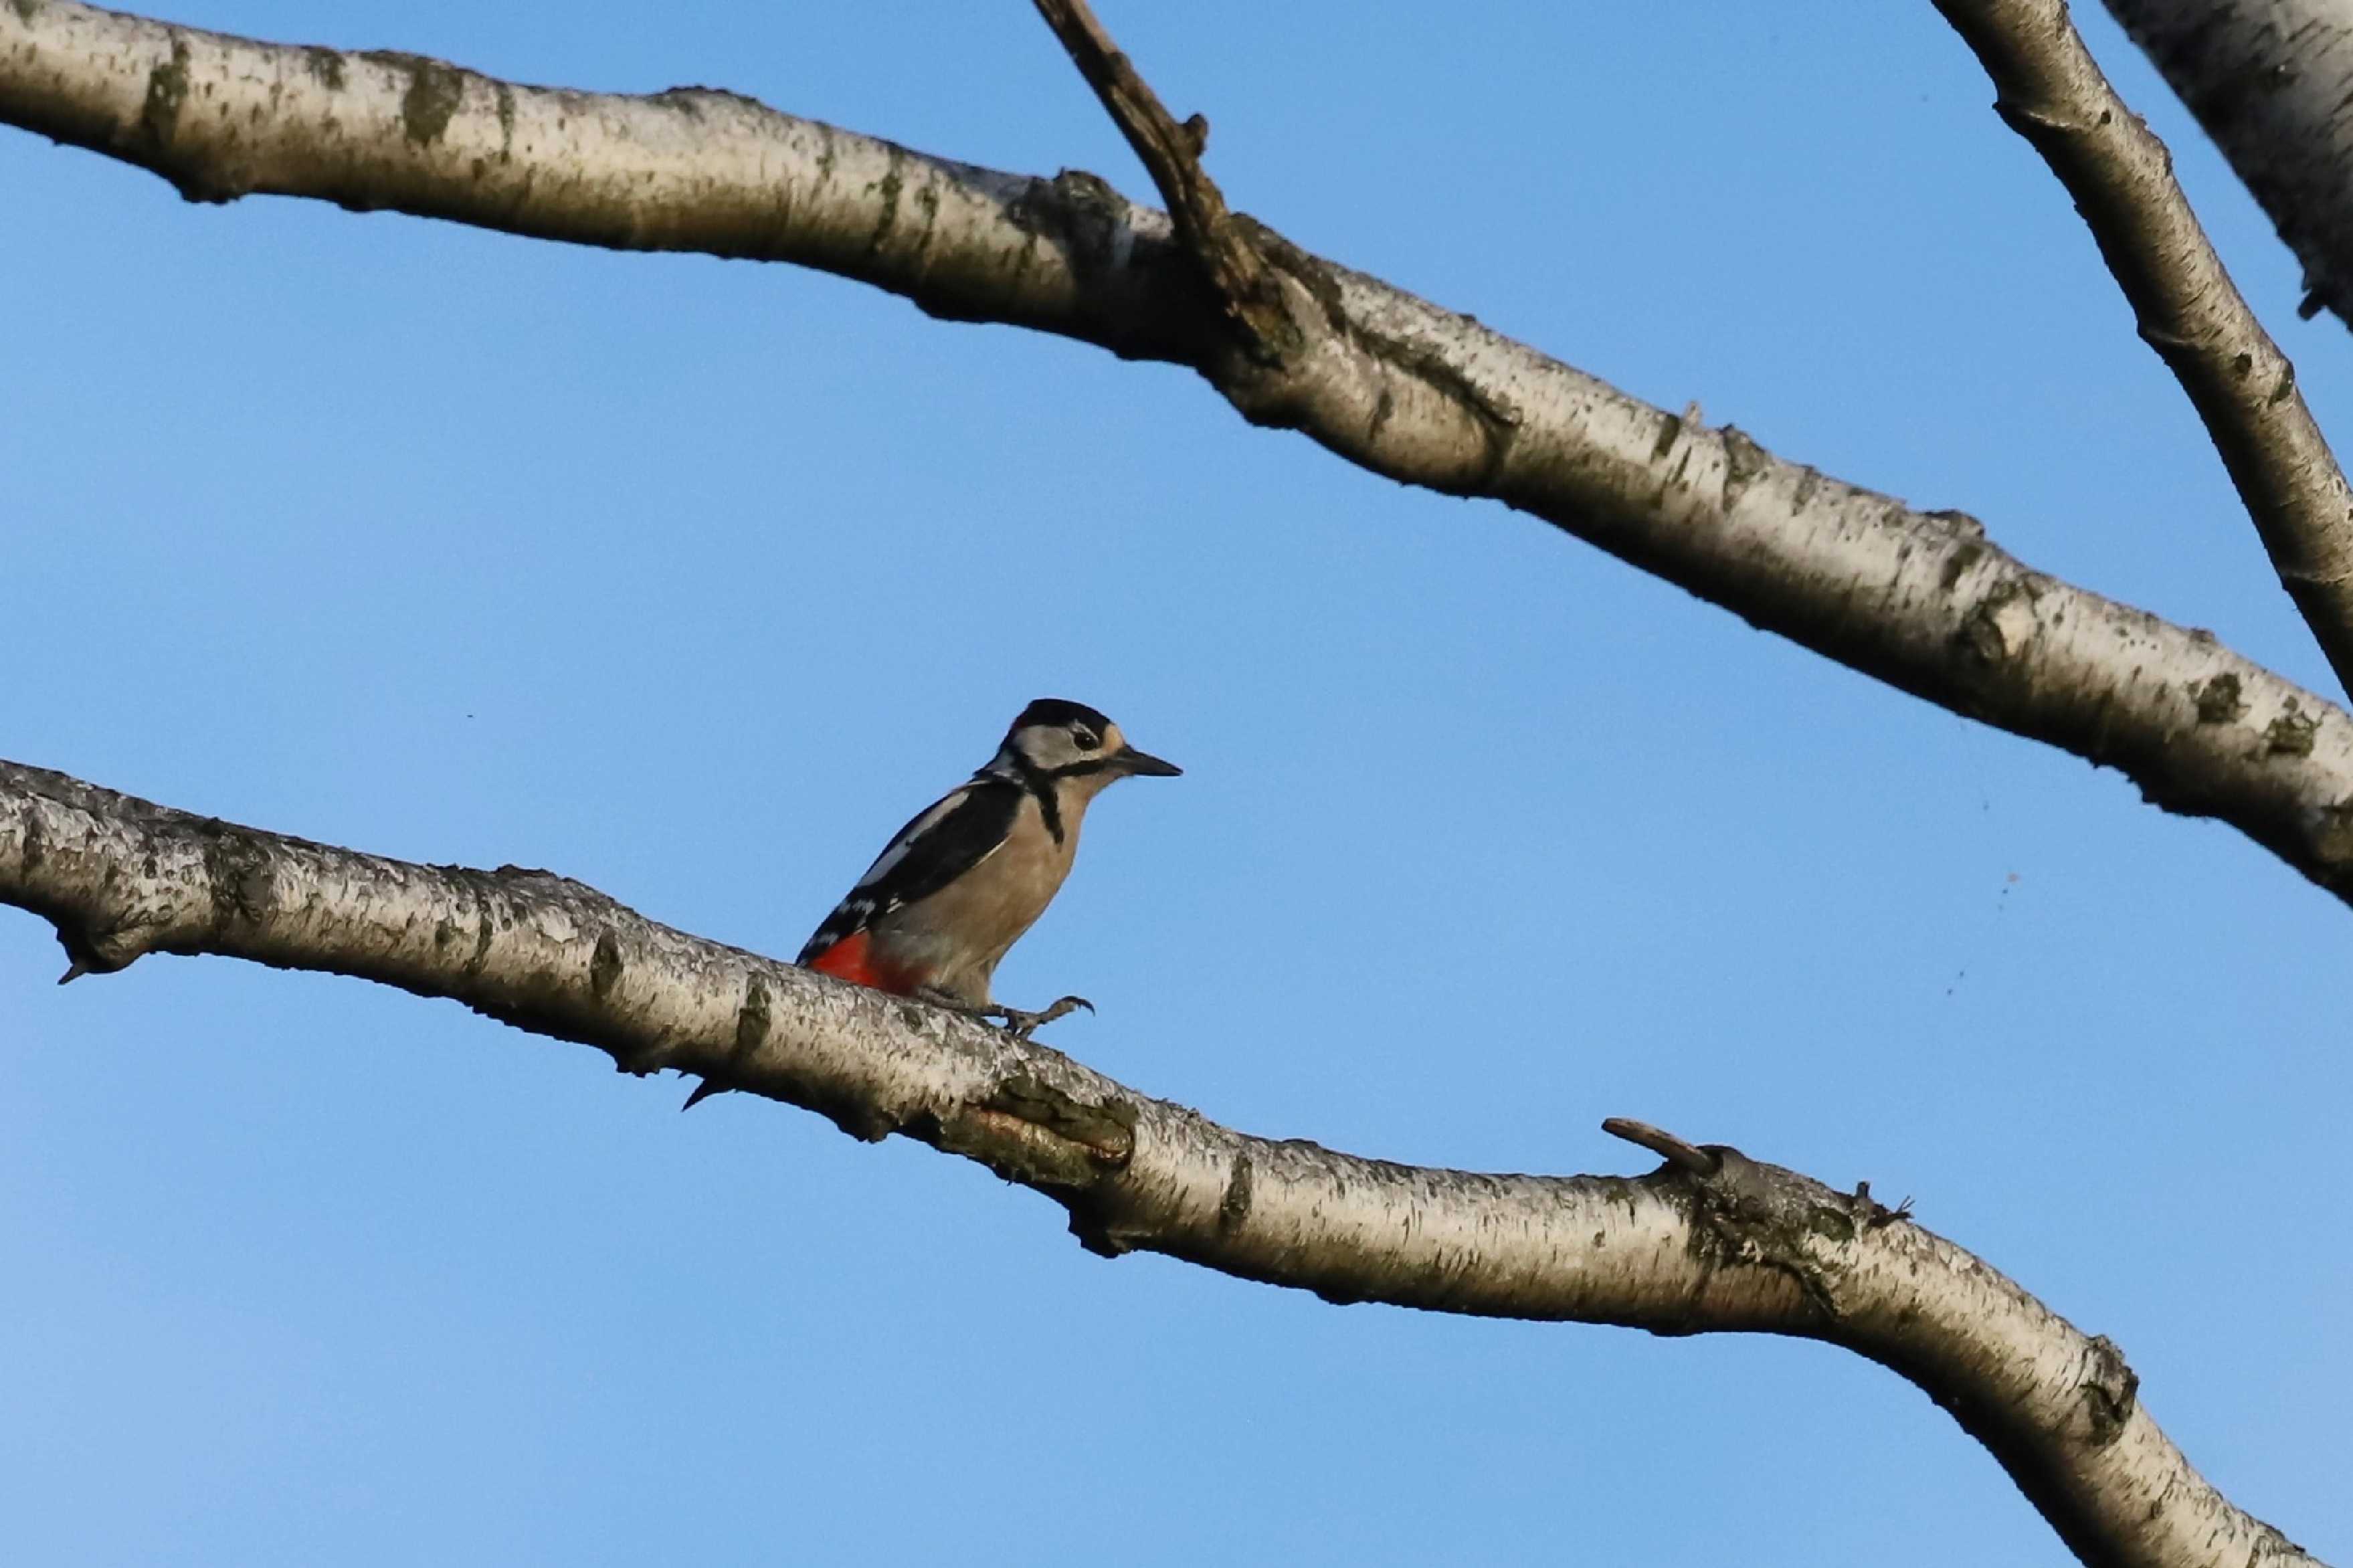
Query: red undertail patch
851, 959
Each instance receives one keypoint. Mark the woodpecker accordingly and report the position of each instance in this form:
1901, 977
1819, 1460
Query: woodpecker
956, 887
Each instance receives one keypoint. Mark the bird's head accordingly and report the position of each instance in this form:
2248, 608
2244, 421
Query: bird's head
1070, 742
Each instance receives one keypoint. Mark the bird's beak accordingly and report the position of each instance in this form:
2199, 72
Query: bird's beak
1129, 760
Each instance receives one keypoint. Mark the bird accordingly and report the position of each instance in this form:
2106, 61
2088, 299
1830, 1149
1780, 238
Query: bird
959, 885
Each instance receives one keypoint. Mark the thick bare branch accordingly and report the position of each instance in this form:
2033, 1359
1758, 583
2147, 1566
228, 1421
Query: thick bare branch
2271, 81
2052, 94
1711, 1242
1405, 388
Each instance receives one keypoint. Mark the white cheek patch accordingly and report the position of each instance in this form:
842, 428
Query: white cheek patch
1047, 746
896, 850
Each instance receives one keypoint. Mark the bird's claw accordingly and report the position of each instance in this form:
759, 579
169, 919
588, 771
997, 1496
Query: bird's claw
1020, 1024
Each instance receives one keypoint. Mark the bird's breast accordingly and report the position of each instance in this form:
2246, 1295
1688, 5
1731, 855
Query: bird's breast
966, 927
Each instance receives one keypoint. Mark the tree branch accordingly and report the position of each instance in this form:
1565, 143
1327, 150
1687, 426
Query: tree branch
1229, 256
2051, 92
1924, 601
1711, 1242
2268, 82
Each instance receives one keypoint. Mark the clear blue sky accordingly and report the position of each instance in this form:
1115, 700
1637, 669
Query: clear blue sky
692, 579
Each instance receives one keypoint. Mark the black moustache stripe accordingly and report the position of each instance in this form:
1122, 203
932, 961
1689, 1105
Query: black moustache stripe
1040, 785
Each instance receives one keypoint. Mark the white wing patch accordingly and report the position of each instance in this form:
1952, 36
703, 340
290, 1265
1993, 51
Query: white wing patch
896, 850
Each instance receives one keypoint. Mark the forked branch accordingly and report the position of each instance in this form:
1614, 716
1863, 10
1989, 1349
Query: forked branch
2051, 92
1226, 252
1923, 600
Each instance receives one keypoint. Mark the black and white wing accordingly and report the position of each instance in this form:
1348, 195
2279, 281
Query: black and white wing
956, 833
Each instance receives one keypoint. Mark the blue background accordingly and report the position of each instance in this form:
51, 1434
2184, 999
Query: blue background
692, 579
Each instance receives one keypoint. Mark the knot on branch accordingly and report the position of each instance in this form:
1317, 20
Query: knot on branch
217, 881
103, 943
1082, 213
237, 866
1027, 1131
2219, 699
2291, 733
2111, 1390
1746, 1212
1760, 1215
1744, 461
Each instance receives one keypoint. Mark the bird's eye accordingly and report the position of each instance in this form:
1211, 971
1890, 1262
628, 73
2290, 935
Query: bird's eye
1086, 740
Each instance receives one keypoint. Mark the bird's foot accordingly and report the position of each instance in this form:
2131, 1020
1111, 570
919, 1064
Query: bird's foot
1017, 1021
949, 1000
1019, 1024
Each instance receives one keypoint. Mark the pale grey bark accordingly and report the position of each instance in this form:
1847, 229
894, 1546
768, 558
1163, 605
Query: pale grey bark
2053, 93
1714, 1242
1711, 1242
2271, 81
1921, 600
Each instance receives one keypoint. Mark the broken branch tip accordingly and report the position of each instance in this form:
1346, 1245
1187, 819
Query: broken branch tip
1664, 1144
